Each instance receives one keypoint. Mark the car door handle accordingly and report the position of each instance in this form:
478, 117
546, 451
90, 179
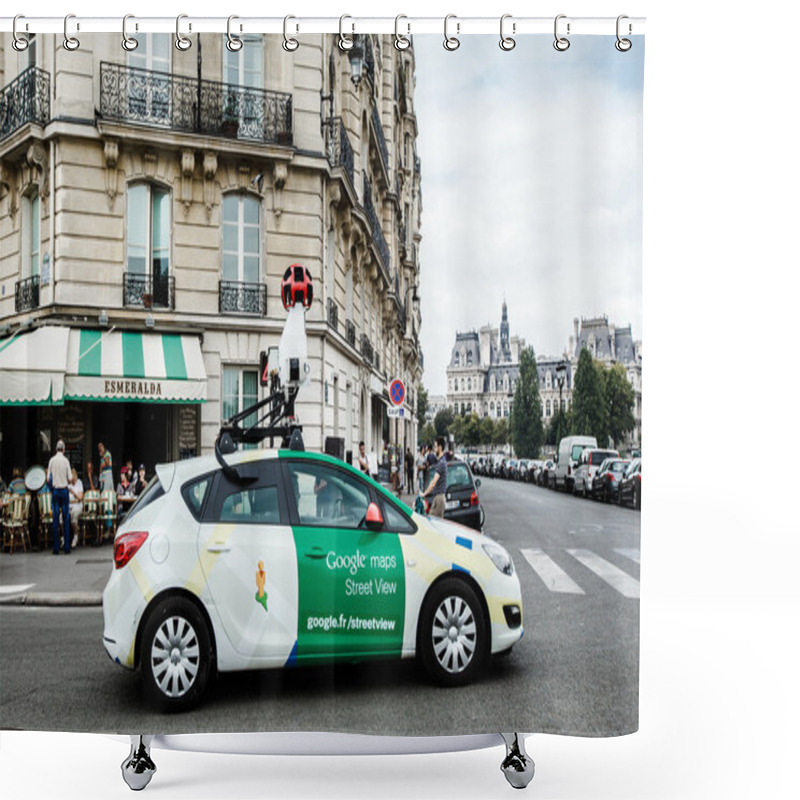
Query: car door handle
315, 552
218, 548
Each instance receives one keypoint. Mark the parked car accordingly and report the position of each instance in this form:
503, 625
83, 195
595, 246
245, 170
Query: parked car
588, 464
511, 468
461, 503
630, 487
569, 452
605, 485
269, 559
543, 476
522, 469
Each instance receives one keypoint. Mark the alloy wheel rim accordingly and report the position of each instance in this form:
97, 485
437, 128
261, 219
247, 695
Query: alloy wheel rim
175, 657
454, 635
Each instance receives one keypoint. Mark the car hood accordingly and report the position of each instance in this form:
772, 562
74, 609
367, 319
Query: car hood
451, 530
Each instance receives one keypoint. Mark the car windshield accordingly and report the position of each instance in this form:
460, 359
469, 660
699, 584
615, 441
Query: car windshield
599, 456
618, 466
458, 476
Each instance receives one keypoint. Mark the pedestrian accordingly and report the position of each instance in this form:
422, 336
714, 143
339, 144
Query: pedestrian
125, 495
438, 485
17, 485
91, 478
75, 503
106, 468
58, 477
422, 466
409, 470
141, 481
363, 459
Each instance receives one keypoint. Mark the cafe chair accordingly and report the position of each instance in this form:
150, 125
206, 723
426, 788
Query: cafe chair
108, 514
15, 524
90, 514
45, 519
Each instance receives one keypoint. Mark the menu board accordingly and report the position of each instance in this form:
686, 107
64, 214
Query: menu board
187, 431
71, 428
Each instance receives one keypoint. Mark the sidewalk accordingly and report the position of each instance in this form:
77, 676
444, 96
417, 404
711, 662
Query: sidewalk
42, 579
77, 579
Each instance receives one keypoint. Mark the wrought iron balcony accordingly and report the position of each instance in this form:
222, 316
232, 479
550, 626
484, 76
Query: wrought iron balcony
367, 350
26, 294
236, 297
148, 291
333, 314
350, 333
384, 151
175, 102
401, 319
377, 231
340, 151
26, 99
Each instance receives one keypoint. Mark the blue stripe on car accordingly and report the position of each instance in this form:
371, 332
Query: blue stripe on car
464, 542
460, 569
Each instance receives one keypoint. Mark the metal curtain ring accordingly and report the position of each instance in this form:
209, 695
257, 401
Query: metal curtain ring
561, 43
70, 42
507, 42
19, 43
234, 43
451, 42
345, 42
623, 45
289, 44
400, 42
181, 42
128, 42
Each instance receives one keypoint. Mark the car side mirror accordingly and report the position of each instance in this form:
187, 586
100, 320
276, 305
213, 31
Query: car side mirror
477, 483
374, 518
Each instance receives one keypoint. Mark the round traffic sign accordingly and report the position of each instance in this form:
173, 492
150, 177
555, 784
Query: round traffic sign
397, 392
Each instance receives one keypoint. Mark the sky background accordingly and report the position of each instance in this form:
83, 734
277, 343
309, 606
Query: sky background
531, 189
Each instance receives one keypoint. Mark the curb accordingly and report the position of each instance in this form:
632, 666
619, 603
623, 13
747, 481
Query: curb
54, 599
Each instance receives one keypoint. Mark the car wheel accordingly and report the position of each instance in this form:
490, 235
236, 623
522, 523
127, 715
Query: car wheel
606, 495
637, 501
453, 640
483, 517
176, 654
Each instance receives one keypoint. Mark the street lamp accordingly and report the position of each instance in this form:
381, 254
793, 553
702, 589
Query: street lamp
561, 376
356, 56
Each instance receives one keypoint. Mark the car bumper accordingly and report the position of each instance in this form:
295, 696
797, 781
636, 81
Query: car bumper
123, 607
471, 516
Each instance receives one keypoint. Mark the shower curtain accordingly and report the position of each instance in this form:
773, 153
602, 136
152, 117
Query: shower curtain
470, 219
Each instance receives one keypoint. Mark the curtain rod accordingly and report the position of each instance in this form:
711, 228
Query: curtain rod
298, 25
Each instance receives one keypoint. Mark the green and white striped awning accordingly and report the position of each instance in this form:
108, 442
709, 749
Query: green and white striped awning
118, 365
49, 365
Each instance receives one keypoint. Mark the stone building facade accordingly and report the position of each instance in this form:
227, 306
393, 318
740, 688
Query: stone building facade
153, 199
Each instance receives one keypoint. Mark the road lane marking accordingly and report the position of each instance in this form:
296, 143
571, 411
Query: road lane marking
554, 578
22, 587
630, 553
613, 576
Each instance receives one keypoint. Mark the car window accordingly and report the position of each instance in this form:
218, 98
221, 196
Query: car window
598, 457
194, 493
618, 466
577, 449
324, 496
258, 506
458, 476
394, 519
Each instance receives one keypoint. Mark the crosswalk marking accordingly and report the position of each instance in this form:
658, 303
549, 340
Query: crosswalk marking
614, 576
630, 553
554, 578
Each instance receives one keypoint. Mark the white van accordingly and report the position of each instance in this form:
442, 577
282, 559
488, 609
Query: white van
569, 453
589, 463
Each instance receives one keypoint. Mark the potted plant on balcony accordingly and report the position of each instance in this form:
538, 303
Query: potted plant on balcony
230, 117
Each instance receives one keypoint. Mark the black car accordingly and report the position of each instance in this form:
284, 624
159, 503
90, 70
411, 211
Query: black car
605, 485
461, 502
630, 487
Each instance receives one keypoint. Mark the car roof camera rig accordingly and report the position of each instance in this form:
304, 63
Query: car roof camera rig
284, 370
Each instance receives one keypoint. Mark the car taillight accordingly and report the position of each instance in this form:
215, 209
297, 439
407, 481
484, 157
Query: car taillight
126, 547
473, 499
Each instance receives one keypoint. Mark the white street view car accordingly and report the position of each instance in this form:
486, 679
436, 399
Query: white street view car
283, 558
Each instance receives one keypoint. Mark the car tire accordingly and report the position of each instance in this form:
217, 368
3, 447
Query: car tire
452, 633
175, 678
637, 500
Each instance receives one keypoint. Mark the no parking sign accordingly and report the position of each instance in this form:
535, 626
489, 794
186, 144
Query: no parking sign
397, 392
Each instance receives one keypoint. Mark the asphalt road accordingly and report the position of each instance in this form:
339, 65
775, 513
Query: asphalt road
575, 671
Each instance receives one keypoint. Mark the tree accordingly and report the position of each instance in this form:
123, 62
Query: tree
486, 431
501, 432
527, 431
557, 427
427, 434
619, 403
422, 405
471, 432
588, 401
443, 420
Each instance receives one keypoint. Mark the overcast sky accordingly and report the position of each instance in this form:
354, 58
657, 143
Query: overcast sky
531, 189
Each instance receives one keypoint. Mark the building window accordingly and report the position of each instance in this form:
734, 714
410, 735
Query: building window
547, 409
241, 238
239, 390
30, 235
457, 360
493, 384
149, 234
505, 383
151, 99
469, 358
469, 384
462, 384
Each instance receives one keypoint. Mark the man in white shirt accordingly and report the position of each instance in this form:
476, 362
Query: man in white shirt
58, 476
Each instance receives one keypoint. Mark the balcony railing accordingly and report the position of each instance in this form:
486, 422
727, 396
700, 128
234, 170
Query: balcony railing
333, 314
236, 297
26, 294
367, 350
148, 291
175, 102
384, 151
350, 333
340, 152
377, 231
26, 99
